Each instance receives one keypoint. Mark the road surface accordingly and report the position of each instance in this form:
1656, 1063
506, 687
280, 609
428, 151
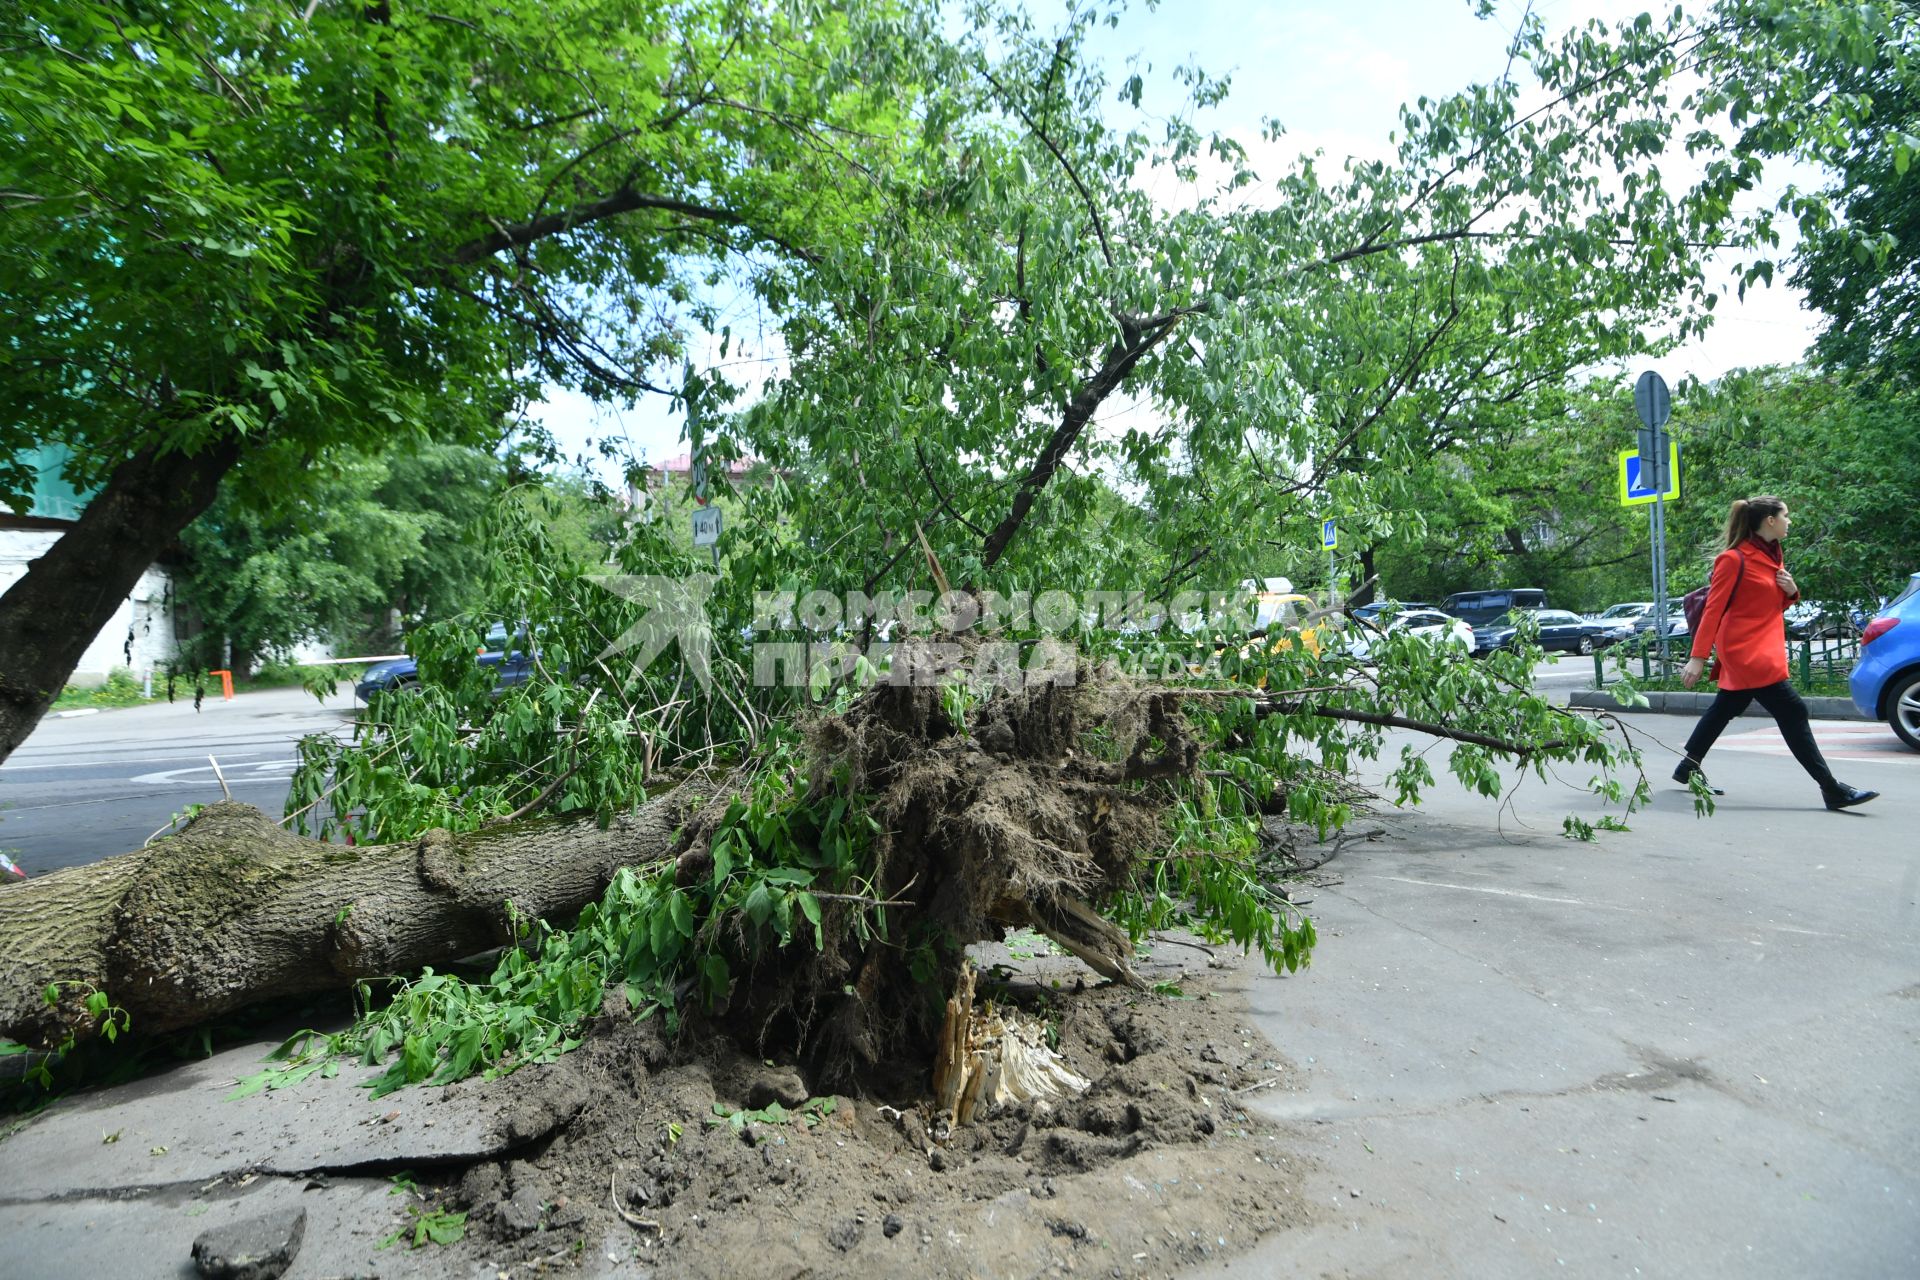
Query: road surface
87, 787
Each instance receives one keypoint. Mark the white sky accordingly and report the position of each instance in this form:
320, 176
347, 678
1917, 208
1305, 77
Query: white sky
1334, 72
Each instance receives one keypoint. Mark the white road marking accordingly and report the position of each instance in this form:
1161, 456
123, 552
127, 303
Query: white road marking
1862, 741
119, 763
1504, 893
190, 777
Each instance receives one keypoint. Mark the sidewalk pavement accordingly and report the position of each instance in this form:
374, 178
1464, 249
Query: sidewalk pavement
1686, 1049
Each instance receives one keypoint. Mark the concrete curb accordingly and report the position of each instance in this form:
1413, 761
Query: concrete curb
1681, 703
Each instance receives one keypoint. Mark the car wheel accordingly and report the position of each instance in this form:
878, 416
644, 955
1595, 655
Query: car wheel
1903, 709
1586, 644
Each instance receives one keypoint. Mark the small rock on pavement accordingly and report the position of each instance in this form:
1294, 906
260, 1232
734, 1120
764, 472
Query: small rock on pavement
521, 1214
844, 1234
891, 1225
256, 1249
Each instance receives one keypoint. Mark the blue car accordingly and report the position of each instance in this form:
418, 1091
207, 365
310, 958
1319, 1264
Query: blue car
1886, 680
404, 673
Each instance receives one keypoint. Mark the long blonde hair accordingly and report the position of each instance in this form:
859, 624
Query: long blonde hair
1746, 515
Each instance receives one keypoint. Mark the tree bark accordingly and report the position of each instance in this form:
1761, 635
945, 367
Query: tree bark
235, 910
1365, 584
50, 616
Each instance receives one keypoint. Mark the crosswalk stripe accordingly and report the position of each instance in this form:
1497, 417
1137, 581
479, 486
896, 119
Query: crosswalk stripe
1853, 740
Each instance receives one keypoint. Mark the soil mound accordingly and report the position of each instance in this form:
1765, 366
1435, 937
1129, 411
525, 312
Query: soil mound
694, 1160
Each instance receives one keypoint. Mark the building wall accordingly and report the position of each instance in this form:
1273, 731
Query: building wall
140, 635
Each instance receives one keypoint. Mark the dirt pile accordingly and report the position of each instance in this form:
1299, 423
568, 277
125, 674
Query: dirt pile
698, 1161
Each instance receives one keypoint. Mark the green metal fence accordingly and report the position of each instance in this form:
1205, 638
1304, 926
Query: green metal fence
1825, 661
1812, 662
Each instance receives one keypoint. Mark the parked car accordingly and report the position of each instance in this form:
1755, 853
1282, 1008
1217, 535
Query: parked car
1429, 624
1558, 629
1477, 608
1819, 620
1886, 681
1676, 626
515, 664
1373, 611
1624, 615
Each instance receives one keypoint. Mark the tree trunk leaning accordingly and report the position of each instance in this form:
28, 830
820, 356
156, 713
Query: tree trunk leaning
235, 910
50, 616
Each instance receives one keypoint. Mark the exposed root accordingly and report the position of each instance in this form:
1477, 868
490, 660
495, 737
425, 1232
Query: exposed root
993, 1059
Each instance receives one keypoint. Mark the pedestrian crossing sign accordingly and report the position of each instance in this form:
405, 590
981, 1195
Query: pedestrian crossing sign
1636, 487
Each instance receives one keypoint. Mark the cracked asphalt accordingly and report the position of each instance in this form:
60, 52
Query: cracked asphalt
1687, 1049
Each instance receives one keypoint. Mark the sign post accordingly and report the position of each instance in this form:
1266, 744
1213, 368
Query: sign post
1329, 538
1654, 404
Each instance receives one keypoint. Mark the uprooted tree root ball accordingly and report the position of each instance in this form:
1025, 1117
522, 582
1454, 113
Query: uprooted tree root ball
1026, 812
696, 1160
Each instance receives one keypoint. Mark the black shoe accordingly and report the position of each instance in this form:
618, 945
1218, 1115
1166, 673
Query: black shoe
1847, 797
1684, 771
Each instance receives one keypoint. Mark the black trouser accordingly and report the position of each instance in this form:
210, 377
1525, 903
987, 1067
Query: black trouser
1784, 705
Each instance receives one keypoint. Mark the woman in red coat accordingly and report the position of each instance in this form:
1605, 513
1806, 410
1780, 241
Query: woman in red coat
1744, 626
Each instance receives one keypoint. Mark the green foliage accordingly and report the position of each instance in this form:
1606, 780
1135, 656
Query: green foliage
111, 1021
1841, 457
308, 229
429, 1226
120, 690
1859, 259
587, 732
361, 536
809, 1113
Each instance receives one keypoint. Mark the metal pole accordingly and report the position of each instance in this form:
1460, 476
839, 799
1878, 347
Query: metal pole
1660, 546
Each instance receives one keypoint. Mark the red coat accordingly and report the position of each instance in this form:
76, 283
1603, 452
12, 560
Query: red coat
1745, 623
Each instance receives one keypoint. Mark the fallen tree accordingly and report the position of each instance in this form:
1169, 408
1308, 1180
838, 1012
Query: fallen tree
1009, 817
815, 900
234, 910
1039, 809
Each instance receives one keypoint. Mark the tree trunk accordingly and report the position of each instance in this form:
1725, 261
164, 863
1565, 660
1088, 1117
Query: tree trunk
235, 910
1365, 588
50, 616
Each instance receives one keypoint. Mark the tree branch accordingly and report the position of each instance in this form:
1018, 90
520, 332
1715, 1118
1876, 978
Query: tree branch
1093, 209
1121, 358
625, 200
946, 504
1503, 745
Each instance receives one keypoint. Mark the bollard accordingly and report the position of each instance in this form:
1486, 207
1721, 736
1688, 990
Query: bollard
226, 684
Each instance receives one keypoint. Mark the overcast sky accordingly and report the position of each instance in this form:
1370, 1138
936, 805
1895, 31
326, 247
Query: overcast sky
1334, 72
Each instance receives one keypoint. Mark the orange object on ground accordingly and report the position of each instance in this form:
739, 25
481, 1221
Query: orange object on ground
1744, 618
226, 683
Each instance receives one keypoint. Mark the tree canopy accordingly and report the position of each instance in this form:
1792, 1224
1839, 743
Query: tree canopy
241, 235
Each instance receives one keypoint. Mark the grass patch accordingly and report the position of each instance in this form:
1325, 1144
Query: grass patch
120, 690
123, 690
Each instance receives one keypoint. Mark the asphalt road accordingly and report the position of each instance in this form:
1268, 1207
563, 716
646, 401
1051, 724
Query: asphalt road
87, 787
